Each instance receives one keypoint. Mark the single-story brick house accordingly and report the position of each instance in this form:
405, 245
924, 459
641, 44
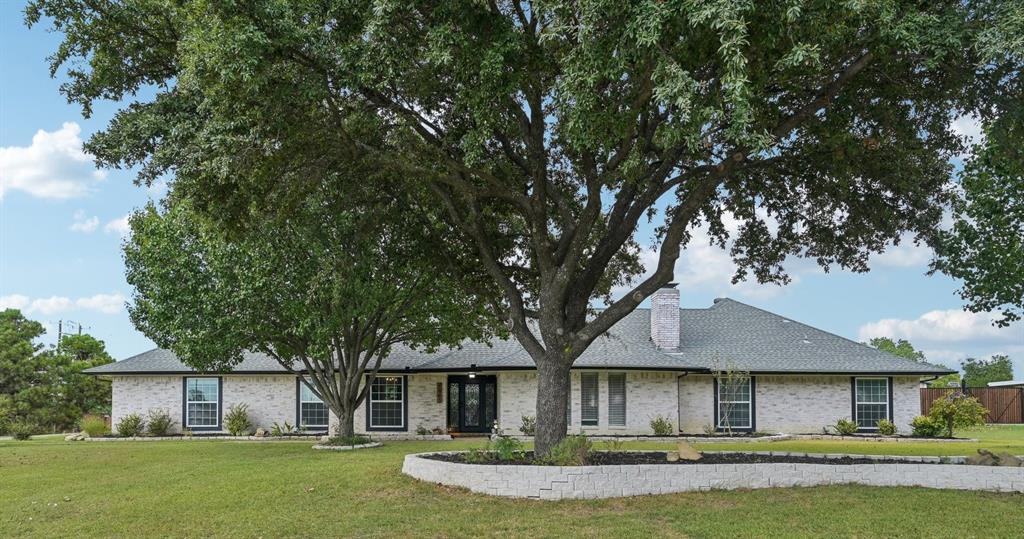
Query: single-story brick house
655, 362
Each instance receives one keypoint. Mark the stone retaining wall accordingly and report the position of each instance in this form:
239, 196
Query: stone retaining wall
571, 482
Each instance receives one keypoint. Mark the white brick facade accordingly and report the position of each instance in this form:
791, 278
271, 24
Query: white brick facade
791, 404
795, 404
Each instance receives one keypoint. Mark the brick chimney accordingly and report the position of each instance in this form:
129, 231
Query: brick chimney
665, 317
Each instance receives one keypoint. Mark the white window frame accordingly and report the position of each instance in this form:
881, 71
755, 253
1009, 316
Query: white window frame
749, 402
370, 402
305, 384
216, 402
857, 402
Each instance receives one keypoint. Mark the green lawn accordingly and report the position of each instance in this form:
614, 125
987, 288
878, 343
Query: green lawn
49, 488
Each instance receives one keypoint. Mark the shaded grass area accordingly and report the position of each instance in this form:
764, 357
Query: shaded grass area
285, 489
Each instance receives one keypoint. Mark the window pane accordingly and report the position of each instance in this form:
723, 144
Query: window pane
872, 390
490, 405
868, 415
471, 412
202, 389
313, 414
617, 399
202, 414
453, 405
734, 403
588, 408
306, 393
386, 404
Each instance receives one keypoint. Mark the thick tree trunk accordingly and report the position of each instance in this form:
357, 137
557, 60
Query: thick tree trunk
346, 423
552, 401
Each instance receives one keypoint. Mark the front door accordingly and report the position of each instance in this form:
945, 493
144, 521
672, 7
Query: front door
472, 403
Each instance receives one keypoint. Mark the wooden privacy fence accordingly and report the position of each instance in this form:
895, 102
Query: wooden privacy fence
1004, 404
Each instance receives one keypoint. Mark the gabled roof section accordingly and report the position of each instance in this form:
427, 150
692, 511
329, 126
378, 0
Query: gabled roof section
729, 335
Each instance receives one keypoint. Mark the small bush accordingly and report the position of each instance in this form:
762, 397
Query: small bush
845, 427
159, 422
886, 427
529, 425
925, 427
280, 430
662, 426
22, 429
131, 425
355, 439
507, 448
957, 411
237, 420
614, 444
94, 426
571, 451
709, 429
422, 431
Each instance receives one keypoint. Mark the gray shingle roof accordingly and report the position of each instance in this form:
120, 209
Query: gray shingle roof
727, 335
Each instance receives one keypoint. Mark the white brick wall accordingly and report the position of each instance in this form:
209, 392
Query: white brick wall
140, 394
792, 403
270, 397
665, 318
573, 482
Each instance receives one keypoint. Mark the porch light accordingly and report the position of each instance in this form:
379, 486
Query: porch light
472, 375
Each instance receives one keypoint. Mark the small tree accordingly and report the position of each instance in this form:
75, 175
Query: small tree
958, 411
327, 292
901, 348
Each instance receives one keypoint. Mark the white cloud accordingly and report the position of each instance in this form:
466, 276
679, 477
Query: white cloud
14, 301
904, 255
940, 326
83, 224
969, 127
53, 166
102, 303
119, 226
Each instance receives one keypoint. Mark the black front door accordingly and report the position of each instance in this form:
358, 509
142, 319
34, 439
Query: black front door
472, 403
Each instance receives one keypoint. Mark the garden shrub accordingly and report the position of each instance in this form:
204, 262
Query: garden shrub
571, 451
925, 427
22, 429
507, 448
957, 411
886, 427
94, 426
355, 439
529, 425
280, 430
131, 425
845, 427
159, 422
661, 426
237, 420
422, 431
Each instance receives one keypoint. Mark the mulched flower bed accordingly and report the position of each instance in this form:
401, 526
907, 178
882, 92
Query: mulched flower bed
599, 458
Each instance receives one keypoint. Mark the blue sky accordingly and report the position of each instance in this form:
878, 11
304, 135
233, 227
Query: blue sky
62, 225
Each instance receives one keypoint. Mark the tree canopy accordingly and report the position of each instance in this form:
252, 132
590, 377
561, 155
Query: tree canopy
549, 131
327, 291
45, 386
979, 372
901, 348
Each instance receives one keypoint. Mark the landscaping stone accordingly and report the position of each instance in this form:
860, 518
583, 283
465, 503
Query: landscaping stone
672, 456
687, 452
260, 433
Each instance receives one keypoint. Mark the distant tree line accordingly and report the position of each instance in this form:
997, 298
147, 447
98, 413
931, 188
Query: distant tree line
977, 372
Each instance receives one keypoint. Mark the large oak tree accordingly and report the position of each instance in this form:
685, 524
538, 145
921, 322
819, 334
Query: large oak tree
550, 130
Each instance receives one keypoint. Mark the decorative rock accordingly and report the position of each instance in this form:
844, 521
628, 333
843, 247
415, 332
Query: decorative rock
672, 456
260, 433
988, 458
72, 437
1006, 459
687, 452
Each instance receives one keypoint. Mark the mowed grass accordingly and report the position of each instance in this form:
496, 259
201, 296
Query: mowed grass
49, 488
